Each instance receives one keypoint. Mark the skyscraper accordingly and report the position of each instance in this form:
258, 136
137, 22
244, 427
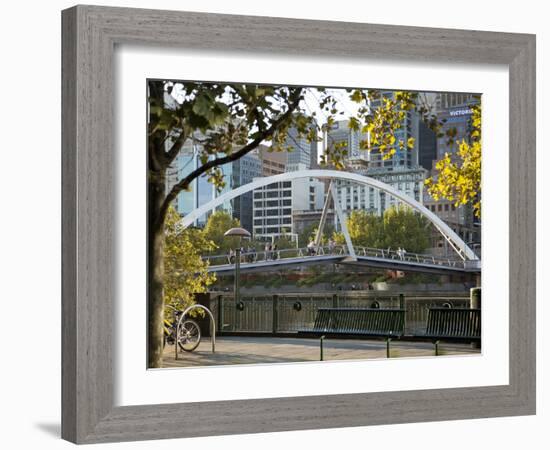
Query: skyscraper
236, 173
273, 163
302, 151
405, 158
427, 145
341, 135
244, 170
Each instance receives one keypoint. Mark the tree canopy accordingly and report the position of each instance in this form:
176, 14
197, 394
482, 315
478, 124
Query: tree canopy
185, 271
216, 226
398, 227
458, 176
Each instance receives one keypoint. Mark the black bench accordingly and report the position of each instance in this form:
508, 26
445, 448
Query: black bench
367, 322
453, 324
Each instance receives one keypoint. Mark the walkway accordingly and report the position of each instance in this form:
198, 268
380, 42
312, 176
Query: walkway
365, 256
267, 350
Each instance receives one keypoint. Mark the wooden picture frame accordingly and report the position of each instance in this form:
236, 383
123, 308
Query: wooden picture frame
90, 34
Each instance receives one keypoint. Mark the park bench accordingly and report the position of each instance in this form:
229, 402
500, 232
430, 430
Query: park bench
362, 322
453, 324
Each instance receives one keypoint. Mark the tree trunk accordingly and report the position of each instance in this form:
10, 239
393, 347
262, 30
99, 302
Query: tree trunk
155, 273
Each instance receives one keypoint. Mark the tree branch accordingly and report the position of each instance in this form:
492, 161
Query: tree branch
176, 147
185, 182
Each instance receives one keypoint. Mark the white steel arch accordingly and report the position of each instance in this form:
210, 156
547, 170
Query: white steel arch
456, 242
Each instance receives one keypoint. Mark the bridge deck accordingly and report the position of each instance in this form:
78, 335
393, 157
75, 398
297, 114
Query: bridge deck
374, 258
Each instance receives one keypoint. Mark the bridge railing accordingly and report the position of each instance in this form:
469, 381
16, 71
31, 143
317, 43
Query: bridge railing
253, 256
403, 255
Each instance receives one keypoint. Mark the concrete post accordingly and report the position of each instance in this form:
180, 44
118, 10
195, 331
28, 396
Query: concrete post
475, 303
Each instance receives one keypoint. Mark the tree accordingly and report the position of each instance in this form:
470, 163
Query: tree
185, 271
404, 228
365, 229
458, 176
310, 232
399, 227
216, 226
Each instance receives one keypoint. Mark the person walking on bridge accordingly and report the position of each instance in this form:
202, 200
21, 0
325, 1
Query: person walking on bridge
311, 248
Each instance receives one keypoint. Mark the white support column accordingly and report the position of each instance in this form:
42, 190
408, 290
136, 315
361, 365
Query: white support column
343, 222
324, 214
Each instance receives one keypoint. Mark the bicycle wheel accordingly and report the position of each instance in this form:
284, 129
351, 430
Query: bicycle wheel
189, 335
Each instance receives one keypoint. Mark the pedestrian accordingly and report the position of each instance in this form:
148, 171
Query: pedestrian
253, 254
311, 248
275, 252
330, 246
231, 256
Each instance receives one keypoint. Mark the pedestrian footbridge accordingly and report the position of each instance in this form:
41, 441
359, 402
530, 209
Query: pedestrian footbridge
389, 259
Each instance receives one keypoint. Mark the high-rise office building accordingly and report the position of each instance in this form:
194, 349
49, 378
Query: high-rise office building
457, 117
273, 163
406, 157
340, 135
244, 170
236, 173
274, 205
455, 111
427, 146
353, 196
301, 151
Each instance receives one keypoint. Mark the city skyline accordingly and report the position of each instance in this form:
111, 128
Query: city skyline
414, 166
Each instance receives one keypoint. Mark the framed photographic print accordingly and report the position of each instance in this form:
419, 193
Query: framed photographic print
293, 224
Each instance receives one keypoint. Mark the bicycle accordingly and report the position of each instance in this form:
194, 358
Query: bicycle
189, 333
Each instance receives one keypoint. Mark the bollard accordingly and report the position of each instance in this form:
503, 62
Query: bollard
321, 358
436, 343
475, 303
388, 347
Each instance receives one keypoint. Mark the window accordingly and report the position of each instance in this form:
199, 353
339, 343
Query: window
287, 184
439, 207
447, 207
287, 202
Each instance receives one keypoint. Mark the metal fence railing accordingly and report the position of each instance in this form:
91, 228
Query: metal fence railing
287, 313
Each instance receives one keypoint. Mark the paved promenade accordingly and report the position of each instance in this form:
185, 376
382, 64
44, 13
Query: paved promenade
268, 350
